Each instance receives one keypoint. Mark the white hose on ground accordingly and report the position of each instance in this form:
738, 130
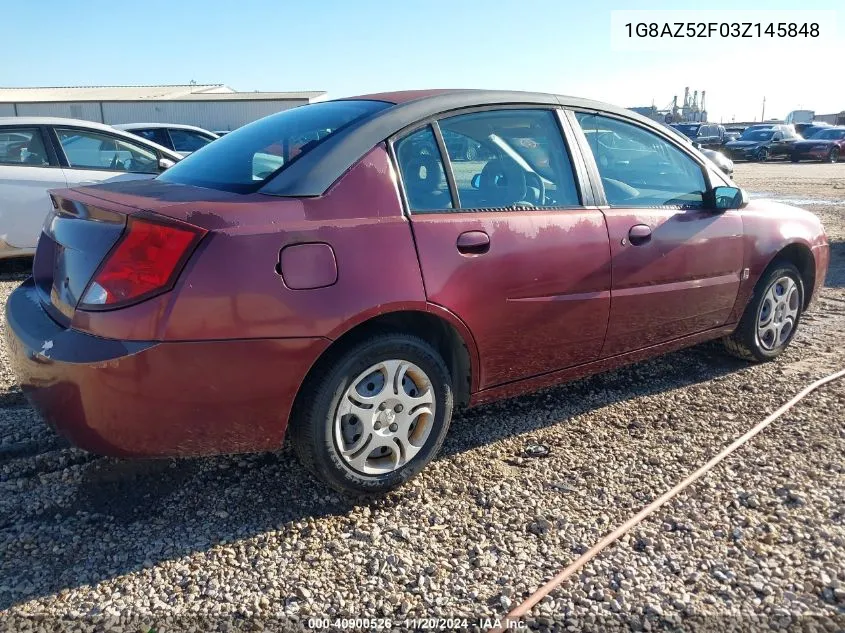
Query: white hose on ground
522, 609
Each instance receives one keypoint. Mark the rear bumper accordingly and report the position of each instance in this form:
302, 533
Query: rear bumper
155, 399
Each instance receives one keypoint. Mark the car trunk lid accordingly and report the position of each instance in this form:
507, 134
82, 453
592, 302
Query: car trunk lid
75, 239
176, 201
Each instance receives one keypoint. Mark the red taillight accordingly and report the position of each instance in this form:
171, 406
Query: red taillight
144, 262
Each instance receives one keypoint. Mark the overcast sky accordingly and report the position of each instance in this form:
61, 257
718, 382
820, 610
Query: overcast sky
348, 47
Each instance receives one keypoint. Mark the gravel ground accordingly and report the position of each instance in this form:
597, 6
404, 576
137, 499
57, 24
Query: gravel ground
241, 540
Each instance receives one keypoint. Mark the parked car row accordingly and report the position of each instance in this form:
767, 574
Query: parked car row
38, 153
764, 141
184, 139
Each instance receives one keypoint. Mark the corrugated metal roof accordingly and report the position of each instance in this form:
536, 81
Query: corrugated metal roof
103, 93
142, 93
253, 96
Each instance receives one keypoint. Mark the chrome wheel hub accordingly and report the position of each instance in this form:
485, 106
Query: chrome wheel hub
385, 417
778, 313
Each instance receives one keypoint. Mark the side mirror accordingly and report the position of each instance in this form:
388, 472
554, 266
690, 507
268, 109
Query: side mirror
729, 198
165, 163
475, 183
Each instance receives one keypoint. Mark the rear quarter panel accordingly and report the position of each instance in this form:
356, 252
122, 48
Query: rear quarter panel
232, 287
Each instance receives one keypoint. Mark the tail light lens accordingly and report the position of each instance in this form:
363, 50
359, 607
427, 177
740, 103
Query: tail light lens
144, 262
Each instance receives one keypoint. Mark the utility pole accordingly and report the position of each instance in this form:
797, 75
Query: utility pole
763, 116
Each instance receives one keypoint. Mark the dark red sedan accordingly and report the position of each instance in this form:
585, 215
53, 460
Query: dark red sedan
354, 292
826, 144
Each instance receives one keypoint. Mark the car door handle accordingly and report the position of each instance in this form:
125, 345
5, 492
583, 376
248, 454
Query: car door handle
639, 234
473, 242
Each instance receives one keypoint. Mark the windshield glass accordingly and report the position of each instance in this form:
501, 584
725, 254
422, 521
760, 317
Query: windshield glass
243, 160
832, 135
757, 135
689, 130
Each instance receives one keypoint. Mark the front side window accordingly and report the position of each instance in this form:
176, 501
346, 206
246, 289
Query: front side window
22, 146
93, 150
188, 140
640, 169
423, 175
243, 160
517, 158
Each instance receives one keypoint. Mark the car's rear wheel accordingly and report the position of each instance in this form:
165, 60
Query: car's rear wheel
373, 417
834, 155
771, 317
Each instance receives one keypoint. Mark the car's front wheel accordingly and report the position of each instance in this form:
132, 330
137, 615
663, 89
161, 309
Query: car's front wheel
833, 157
771, 317
371, 418
763, 154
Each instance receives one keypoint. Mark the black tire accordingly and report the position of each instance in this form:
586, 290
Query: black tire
762, 154
833, 157
471, 153
313, 422
794, 158
744, 343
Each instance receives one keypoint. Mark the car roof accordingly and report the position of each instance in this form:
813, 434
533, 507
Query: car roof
314, 172
158, 126
91, 125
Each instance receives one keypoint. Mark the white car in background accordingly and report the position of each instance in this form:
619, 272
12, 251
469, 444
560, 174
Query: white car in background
41, 153
183, 139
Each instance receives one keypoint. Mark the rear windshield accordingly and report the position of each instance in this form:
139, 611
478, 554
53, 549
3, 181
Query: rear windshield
243, 160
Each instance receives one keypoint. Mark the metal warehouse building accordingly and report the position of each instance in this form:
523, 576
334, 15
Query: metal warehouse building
212, 106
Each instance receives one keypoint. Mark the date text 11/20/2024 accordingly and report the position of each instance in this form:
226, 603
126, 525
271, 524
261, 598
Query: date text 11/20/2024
417, 624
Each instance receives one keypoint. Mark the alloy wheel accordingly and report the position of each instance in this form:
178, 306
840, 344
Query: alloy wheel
778, 313
384, 417
834, 155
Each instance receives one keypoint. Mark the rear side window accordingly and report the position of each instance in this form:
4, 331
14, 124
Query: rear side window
22, 146
187, 140
243, 160
422, 172
640, 169
92, 150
